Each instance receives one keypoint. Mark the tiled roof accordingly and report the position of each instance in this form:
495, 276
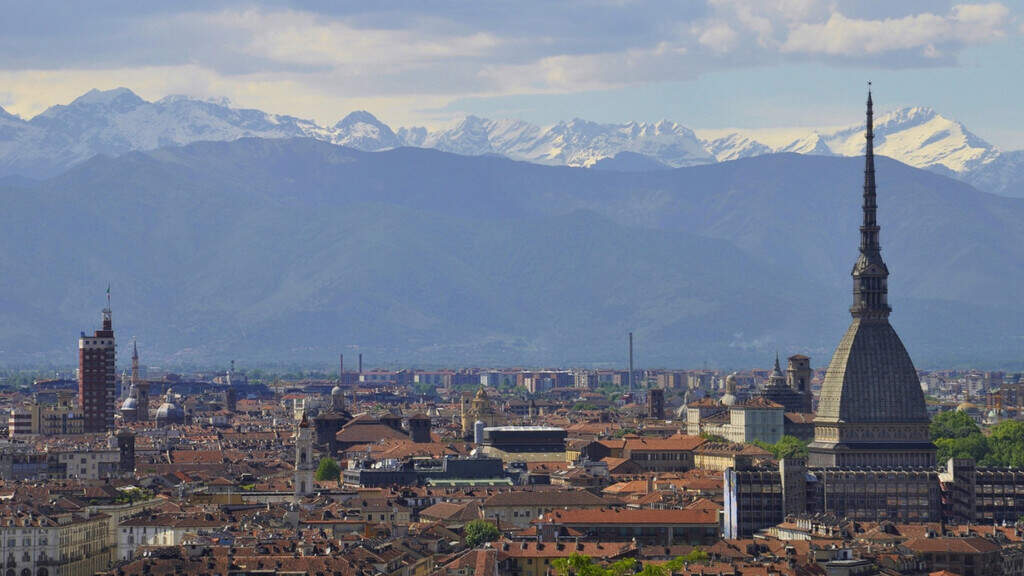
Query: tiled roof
625, 516
546, 498
678, 442
968, 545
597, 550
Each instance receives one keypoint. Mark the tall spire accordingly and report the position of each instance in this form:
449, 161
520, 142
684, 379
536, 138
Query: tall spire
870, 274
869, 229
135, 363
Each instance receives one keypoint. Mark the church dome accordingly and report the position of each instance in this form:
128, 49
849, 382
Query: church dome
728, 399
871, 378
170, 412
336, 391
129, 404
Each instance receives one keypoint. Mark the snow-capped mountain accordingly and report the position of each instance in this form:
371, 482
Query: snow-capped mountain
113, 122
735, 146
116, 121
574, 143
920, 137
363, 131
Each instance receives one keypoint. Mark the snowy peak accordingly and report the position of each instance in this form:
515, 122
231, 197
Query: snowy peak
364, 131
919, 137
735, 146
577, 142
116, 121
121, 97
813, 143
476, 136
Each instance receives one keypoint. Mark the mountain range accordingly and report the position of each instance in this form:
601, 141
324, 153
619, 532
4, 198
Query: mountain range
295, 249
117, 121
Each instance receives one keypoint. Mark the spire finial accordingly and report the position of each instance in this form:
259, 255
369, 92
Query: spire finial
870, 273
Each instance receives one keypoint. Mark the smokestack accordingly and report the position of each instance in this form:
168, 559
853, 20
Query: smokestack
360, 362
341, 367
630, 361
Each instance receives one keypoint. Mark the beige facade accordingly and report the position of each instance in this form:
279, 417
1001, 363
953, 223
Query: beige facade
756, 419
60, 545
91, 465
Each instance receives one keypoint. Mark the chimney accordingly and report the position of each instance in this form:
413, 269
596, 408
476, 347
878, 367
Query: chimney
360, 362
341, 367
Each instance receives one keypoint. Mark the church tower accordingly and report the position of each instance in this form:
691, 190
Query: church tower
871, 412
304, 466
798, 377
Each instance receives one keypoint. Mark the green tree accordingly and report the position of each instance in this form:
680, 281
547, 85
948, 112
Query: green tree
328, 470
581, 565
479, 531
952, 424
787, 447
577, 565
975, 446
713, 437
623, 431
622, 567
1006, 445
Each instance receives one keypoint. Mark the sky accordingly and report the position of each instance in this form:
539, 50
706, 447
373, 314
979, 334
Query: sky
708, 64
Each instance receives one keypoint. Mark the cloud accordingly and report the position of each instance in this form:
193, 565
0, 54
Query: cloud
404, 59
293, 37
927, 33
718, 37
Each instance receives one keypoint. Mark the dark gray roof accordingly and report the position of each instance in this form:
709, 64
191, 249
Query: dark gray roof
871, 378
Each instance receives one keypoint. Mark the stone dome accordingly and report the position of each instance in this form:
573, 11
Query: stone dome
170, 412
129, 404
871, 379
337, 391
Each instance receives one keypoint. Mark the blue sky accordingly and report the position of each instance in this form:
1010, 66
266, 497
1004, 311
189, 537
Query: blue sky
706, 64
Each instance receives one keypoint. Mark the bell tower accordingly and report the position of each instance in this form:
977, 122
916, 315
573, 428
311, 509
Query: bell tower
304, 466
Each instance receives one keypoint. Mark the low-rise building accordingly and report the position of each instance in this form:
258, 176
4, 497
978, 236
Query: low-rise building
519, 508
697, 526
672, 454
38, 541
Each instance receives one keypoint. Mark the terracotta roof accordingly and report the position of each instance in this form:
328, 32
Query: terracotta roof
625, 516
547, 498
597, 550
967, 545
757, 402
452, 512
678, 442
